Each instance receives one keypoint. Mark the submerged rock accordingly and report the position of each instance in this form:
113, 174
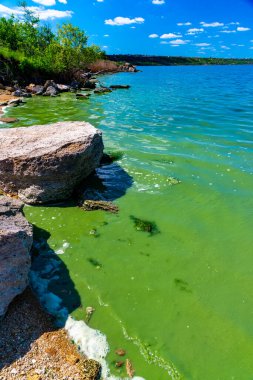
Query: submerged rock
8, 120
102, 90
90, 205
120, 87
82, 96
91, 83
110, 157
15, 245
44, 163
173, 181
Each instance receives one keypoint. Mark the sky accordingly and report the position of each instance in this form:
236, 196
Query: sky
196, 28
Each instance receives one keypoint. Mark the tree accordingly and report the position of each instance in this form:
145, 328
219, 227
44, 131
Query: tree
70, 36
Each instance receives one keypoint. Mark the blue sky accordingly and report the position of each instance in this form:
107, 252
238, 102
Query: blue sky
204, 28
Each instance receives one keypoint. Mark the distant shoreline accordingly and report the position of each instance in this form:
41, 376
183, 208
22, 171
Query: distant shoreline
153, 60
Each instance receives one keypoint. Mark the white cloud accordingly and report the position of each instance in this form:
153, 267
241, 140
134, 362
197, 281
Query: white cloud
170, 35
212, 24
184, 23
153, 35
118, 21
106, 35
50, 14
100, 1
5, 11
225, 47
47, 3
203, 44
158, 2
242, 29
178, 42
228, 31
195, 30
174, 43
44, 14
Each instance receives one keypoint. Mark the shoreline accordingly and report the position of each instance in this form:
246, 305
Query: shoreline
31, 347
88, 342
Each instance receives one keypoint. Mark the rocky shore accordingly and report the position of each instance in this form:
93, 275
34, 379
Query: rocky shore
31, 348
43, 164
38, 164
12, 91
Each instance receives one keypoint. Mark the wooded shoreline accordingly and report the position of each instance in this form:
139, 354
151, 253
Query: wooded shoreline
155, 60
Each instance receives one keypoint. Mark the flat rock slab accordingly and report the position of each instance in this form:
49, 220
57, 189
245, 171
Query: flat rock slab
44, 163
15, 244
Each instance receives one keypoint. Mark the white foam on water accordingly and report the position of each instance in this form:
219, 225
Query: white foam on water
90, 342
62, 250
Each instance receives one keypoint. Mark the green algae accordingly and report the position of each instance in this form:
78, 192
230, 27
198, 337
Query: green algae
145, 225
94, 262
111, 156
206, 223
182, 285
173, 181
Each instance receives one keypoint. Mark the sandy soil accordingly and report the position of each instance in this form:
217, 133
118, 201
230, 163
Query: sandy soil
31, 348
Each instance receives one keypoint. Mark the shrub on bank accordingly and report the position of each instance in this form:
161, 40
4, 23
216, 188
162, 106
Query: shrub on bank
27, 44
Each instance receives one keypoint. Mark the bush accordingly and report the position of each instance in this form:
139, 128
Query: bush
36, 46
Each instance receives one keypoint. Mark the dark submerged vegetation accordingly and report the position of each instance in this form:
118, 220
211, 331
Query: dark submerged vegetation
145, 225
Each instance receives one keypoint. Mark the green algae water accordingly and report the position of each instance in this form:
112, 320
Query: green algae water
180, 300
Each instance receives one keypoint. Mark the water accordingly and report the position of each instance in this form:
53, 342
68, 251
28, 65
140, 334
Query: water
178, 301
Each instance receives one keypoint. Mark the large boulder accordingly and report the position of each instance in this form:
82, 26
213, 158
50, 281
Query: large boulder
15, 245
44, 163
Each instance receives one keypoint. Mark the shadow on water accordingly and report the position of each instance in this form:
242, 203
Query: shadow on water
108, 183
50, 279
25, 320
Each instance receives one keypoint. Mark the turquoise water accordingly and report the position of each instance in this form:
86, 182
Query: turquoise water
178, 301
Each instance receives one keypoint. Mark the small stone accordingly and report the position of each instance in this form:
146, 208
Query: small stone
119, 364
82, 96
120, 352
8, 120
34, 377
120, 86
89, 311
72, 359
102, 90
